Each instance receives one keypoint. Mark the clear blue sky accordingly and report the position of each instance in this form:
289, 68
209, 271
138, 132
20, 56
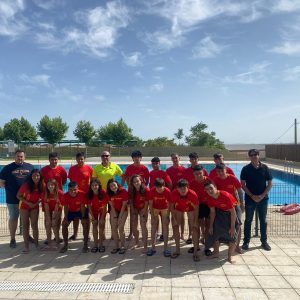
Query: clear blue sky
161, 65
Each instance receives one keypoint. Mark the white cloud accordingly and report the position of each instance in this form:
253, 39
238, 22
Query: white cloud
63, 94
40, 79
47, 4
157, 87
12, 23
138, 74
292, 74
133, 59
286, 6
288, 48
207, 48
159, 69
99, 98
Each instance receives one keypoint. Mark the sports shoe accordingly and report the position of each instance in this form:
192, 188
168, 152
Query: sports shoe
266, 246
13, 243
245, 246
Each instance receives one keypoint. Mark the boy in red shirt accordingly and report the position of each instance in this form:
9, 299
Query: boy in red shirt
184, 200
219, 159
159, 203
74, 208
224, 224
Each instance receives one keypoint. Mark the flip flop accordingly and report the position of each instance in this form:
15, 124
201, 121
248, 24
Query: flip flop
191, 250
85, 249
122, 251
175, 255
189, 241
114, 251
63, 249
167, 253
102, 249
207, 252
151, 252
94, 249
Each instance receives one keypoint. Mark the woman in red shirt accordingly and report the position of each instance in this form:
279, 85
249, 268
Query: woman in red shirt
139, 197
97, 204
29, 196
118, 200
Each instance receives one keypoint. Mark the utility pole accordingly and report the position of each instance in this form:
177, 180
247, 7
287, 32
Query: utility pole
295, 131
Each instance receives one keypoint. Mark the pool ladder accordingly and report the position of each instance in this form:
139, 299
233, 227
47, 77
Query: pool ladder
289, 167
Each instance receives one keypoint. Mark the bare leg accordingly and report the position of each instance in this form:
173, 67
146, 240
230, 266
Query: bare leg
215, 253
165, 230
230, 252
154, 229
34, 218
25, 223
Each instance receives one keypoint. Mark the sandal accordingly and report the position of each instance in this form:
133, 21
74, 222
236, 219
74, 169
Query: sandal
175, 255
122, 251
114, 251
63, 249
151, 252
161, 238
102, 249
85, 249
94, 249
207, 252
188, 241
167, 253
191, 250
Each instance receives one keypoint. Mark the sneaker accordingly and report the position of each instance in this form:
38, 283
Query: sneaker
13, 243
245, 246
266, 246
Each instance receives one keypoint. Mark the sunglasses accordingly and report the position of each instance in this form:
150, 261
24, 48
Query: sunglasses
105, 155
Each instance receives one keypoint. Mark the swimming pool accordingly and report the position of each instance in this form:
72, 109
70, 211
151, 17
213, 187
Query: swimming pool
285, 190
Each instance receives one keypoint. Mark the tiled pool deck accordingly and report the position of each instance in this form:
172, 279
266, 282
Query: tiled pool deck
257, 274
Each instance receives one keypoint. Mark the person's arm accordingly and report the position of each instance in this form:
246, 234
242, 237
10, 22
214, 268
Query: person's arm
196, 216
242, 203
66, 211
123, 179
266, 191
212, 220
246, 190
151, 206
124, 205
20, 197
232, 222
2, 183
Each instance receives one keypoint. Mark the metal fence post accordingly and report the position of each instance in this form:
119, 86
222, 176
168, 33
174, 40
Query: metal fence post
256, 224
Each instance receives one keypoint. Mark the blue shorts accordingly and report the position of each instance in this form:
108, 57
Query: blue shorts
77, 215
13, 211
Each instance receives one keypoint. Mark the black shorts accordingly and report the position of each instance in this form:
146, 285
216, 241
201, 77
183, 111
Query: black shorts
77, 215
204, 211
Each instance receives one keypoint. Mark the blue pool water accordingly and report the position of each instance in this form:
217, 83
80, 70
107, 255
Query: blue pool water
285, 190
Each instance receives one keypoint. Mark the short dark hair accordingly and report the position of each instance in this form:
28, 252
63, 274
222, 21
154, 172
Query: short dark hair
208, 182
217, 155
72, 184
174, 154
253, 151
193, 155
53, 155
221, 167
159, 182
19, 151
182, 183
136, 153
198, 168
155, 159
80, 154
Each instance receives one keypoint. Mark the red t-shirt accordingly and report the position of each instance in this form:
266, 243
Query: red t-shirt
160, 200
213, 172
230, 184
51, 201
198, 188
176, 174
98, 205
33, 197
82, 176
225, 201
59, 174
119, 198
186, 203
141, 170
159, 174
139, 200
74, 203
189, 174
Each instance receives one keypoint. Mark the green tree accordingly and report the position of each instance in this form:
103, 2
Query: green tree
52, 130
160, 142
1, 134
19, 130
84, 131
179, 134
199, 137
118, 133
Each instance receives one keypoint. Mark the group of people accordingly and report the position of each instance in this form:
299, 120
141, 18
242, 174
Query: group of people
212, 202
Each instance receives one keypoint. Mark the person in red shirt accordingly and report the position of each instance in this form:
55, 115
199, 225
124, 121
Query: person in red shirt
159, 203
54, 171
52, 206
97, 205
81, 173
197, 185
185, 200
229, 183
224, 225
139, 195
74, 209
176, 172
134, 169
219, 159
118, 200
30, 195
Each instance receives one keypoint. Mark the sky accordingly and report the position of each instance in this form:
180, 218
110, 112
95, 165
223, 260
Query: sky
158, 64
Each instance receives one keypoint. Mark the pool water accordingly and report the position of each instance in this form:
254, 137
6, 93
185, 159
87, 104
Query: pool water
285, 190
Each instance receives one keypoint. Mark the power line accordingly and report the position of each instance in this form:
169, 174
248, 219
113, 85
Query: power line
284, 133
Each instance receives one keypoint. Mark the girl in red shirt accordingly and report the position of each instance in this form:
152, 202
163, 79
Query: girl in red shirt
97, 204
139, 196
29, 195
118, 200
51, 199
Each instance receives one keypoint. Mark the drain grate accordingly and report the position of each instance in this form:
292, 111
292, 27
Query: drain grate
124, 288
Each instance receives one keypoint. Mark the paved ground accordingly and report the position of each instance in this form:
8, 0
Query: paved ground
257, 274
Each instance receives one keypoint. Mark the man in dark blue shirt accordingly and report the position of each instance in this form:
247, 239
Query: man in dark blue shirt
12, 176
256, 180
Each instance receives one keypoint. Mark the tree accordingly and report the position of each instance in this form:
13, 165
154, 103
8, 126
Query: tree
179, 134
19, 130
160, 142
52, 130
1, 134
118, 133
199, 137
84, 131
